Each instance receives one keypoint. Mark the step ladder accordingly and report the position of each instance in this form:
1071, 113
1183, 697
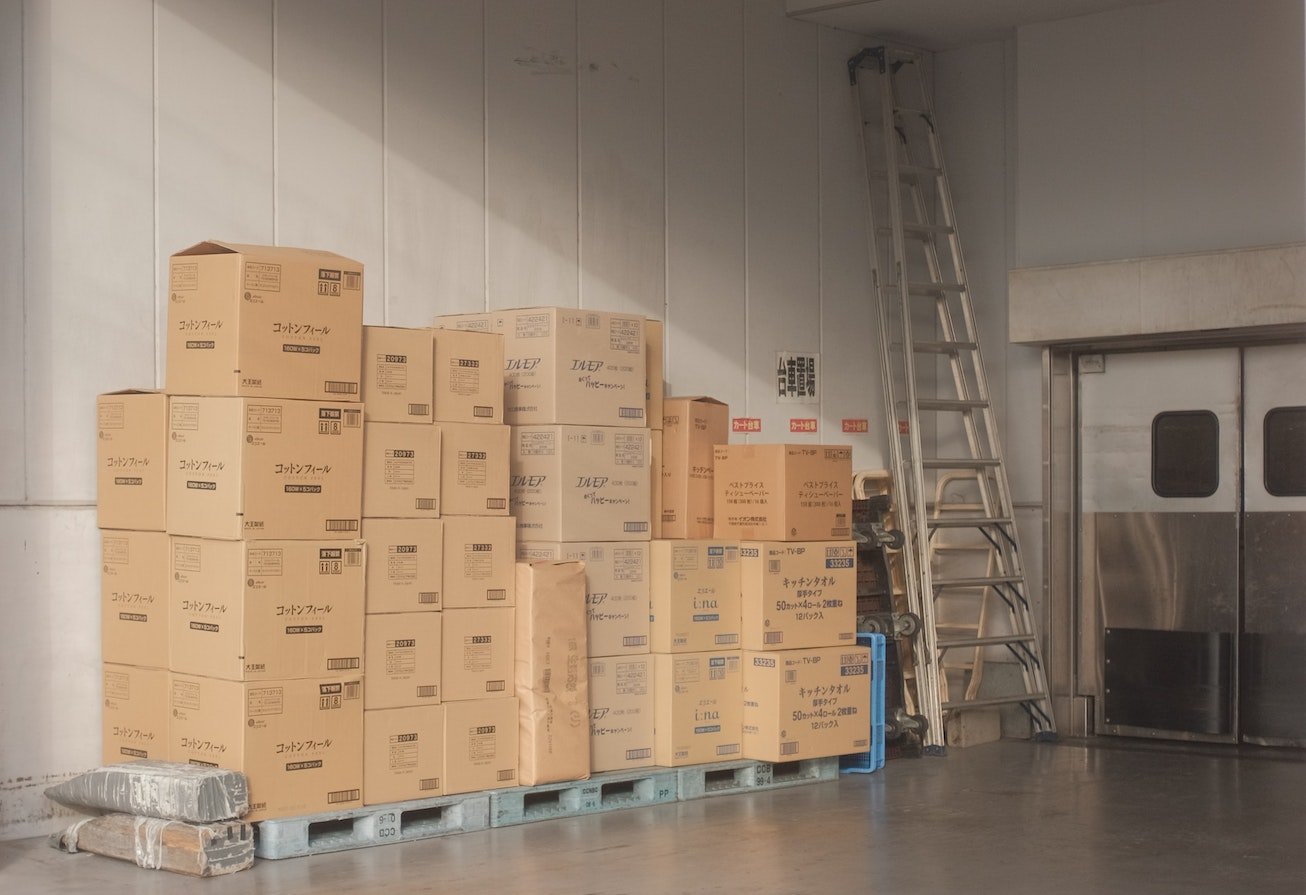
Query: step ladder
941, 421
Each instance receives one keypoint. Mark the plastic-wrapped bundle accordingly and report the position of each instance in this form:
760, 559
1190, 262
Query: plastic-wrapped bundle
161, 789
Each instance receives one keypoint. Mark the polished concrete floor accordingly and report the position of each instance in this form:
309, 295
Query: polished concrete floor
1099, 816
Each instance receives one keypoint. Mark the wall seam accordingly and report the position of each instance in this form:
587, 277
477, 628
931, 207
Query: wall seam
666, 209
385, 167
22, 237
580, 266
276, 135
820, 235
485, 160
743, 138
154, 148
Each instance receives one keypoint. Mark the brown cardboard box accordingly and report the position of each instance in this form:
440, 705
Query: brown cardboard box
616, 591
480, 744
477, 654
401, 658
692, 428
266, 610
131, 460
694, 596
565, 365
134, 598
552, 675
468, 377
299, 742
397, 374
655, 372
577, 483
134, 722
405, 564
621, 713
783, 492
264, 322
401, 471
473, 469
698, 708
798, 595
655, 489
264, 468
807, 703
479, 556
403, 754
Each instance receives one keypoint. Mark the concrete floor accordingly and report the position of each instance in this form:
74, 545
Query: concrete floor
1099, 816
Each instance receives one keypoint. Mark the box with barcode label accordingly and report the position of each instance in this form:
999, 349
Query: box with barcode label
401, 471
397, 374
300, 742
798, 594
698, 708
469, 377
694, 596
692, 428
266, 610
782, 492
616, 591
405, 567
808, 703
621, 712
478, 561
134, 717
403, 754
477, 653
473, 469
131, 460
480, 744
401, 655
134, 597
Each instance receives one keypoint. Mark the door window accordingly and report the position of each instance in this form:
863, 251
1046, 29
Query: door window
1185, 453
1285, 451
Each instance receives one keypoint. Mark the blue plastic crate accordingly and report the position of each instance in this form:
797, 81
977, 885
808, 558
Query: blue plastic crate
872, 759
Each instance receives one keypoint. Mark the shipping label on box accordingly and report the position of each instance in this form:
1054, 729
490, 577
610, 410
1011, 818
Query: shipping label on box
809, 703
134, 720
397, 374
477, 654
469, 376
134, 597
695, 596
616, 591
479, 558
621, 712
798, 595
403, 754
692, 428
405, 564
480, 744
782, 492
402, 659
655, 372
473, 469
401, 471
131, 460
698, 700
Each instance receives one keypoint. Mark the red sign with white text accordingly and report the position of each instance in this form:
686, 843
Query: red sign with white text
851, 425
802, 425
746, 424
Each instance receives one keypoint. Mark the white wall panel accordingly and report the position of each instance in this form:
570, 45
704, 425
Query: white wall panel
89, 227
531, 179
328, 68
12, 447
435, 159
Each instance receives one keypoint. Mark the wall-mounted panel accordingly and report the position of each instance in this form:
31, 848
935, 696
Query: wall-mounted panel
12, 449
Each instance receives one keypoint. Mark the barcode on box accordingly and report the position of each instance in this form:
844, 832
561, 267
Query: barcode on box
428, 597
427, 691
480, 410
726, 639
339, 387
353, 419
716, 674
789, 748
496, 503
498, 593
507, 775
342, 795
631, 413
428, 784
634, 526
202, 764
791, 676
353, 280
773, 637
353, 689
773, 566
639, 640
342, 525
495, 686
346, 663
546, 680
861, 744
638, 754
419, 410
353, 557
728, 749
426, 503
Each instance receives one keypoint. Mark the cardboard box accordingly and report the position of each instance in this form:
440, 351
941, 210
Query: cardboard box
480, 745
131, 460
566, 365
694, 596
577, 483
264, 322
266, 610
401, 658
798, 595
134, 598
473, 469
808, 703
621, 713
782, 492
692, 428
134, 723
655, 489
479, 558
401, 471
552, 674
616, 591
405, 564
397, 374
468, 377
299, 742
267, 468
477, 654
698, 708
655, 372
403, 754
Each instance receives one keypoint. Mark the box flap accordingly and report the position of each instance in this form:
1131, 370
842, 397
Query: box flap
219, 247
133, 391
701, 399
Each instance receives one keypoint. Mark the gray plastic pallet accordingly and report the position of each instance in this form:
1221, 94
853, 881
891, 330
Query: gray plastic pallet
608, 791
701, 780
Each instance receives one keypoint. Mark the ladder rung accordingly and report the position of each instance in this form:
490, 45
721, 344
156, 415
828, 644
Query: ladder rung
995, 640
934, 288
908, 110
978, 581
961, 463
910, 171
973, 522
943, 347
920, 231
989, 701
950, 404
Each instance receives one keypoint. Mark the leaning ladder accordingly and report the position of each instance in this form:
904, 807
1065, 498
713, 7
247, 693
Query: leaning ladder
937, 402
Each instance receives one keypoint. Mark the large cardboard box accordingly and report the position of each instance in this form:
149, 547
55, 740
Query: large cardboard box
397, 374
401, 659
299, 742
480, 744
134, 722
134, 598
566, 365
694, 596
479, 558
468, 377
691, 430
621, 713
655, 372
552, 675
783, 492
266, 610
401, 471
798, 595
477, 654
403, 754
264, 468
698, 714
578, 483
131, 460
405, 564
807, 703
616, 591
263, 321
473, 469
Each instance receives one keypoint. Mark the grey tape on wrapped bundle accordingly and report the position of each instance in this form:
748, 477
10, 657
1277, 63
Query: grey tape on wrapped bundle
149, 841
161, 789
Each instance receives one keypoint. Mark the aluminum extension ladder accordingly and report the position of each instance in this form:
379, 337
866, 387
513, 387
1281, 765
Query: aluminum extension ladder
938, 408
